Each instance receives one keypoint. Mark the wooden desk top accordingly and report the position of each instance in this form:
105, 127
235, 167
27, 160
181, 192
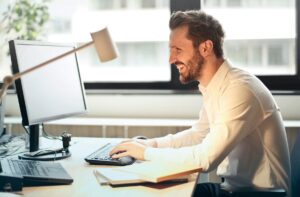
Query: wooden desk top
85, 183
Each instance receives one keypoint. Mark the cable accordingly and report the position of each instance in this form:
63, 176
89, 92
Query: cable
14, 147
46, 135
25, 129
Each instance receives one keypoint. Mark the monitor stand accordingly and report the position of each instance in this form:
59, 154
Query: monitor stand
42, 155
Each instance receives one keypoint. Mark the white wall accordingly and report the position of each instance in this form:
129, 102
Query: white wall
155, 106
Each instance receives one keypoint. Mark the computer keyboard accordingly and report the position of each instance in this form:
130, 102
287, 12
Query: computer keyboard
102, 157
27, 167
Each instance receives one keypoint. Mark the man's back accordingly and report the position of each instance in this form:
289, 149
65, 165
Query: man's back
261, 157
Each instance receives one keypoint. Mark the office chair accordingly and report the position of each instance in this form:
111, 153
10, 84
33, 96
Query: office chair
257, 192
295, 168
295, 180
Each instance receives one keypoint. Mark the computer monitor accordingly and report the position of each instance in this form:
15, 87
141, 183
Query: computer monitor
51, 92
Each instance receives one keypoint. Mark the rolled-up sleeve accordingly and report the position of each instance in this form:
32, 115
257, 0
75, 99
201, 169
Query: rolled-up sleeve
189, 137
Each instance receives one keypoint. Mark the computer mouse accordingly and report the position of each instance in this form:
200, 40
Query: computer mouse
127, 160
140, 137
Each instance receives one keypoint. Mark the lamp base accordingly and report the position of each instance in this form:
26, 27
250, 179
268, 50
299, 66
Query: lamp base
46, 156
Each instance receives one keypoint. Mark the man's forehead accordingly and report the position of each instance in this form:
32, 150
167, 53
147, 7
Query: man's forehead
179, 32
178, 36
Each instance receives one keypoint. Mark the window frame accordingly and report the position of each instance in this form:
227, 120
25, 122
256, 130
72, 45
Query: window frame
173, 85
287, 82
278, 84
273, 82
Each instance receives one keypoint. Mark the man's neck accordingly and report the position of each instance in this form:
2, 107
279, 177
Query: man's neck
209, 70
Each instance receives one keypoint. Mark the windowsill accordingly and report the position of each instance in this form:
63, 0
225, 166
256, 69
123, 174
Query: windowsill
141, 92
285, 92
161, 92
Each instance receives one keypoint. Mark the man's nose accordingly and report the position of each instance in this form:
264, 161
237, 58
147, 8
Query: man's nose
172, 58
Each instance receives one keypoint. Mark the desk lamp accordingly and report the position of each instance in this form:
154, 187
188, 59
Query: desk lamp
105, 47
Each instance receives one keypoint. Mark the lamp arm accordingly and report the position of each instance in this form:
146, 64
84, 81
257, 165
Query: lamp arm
9, 80
18, 75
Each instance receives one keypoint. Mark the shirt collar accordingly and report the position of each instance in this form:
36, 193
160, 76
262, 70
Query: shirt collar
217, 79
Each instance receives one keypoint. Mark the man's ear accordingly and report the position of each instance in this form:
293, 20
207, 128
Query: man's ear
206, 48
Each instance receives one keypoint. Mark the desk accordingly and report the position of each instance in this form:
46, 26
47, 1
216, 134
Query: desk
85, 183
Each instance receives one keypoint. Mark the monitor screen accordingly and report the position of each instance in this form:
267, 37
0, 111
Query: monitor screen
52, 92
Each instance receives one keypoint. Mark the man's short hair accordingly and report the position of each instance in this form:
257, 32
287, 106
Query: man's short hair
201, 27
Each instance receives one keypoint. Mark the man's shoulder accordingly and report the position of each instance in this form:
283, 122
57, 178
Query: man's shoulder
239, 77
246, 85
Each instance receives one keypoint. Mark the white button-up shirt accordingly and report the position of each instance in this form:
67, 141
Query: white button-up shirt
240, 131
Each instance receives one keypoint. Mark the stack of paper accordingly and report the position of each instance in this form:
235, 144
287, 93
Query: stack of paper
144, 172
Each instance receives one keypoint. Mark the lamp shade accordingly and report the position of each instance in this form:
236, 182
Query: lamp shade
105, 47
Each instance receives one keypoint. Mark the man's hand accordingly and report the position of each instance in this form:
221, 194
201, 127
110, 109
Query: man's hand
129, 148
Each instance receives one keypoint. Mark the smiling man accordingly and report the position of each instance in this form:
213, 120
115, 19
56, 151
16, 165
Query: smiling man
240, 129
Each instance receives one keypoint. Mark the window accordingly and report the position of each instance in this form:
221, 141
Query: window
139, 28
260, 37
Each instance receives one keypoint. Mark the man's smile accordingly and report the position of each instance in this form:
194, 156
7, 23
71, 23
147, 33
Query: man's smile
181, 67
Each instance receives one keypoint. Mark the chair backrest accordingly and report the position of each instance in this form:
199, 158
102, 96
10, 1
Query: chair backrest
295, 168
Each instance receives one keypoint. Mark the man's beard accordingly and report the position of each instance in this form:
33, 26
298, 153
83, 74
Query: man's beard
195, 65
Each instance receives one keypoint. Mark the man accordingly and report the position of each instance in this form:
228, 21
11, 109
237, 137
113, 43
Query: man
240, 129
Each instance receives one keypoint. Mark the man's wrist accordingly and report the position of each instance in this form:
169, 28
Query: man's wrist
152, 143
